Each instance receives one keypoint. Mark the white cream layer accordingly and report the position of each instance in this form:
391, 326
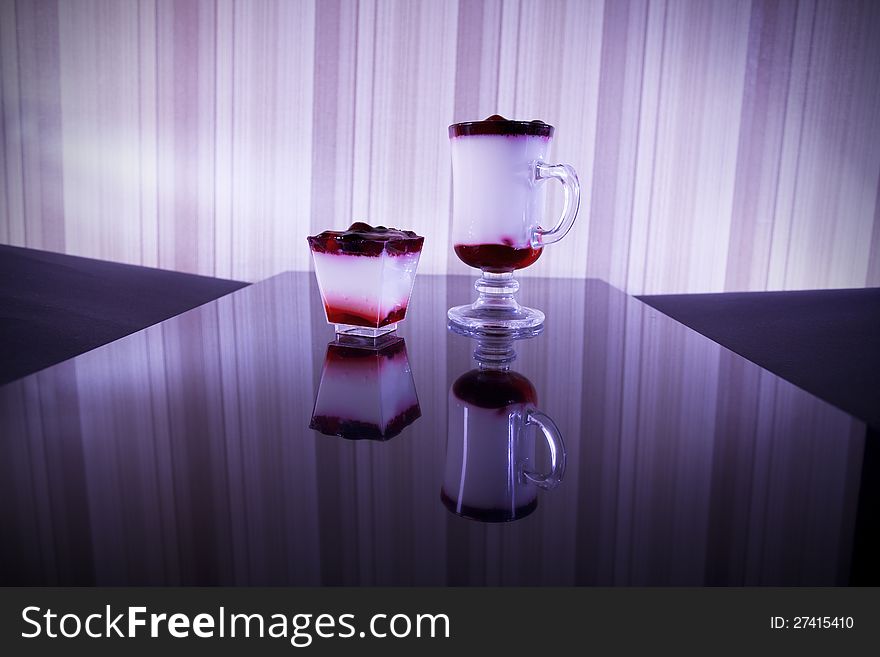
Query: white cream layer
372, 286
484, 457
493, 196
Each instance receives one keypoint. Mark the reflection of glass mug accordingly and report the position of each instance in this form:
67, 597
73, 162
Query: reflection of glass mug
498, 167
490, 449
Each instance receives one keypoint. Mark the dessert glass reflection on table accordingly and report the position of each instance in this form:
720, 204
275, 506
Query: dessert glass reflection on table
365, 392
365, 275
486, 452
492, 435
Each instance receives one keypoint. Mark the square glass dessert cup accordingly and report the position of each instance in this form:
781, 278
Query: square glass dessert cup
366, 275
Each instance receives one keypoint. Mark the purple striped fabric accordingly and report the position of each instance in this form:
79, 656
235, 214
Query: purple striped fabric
722, 145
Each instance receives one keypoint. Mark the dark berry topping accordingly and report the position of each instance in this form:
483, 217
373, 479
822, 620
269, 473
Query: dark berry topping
498, 125
363, 239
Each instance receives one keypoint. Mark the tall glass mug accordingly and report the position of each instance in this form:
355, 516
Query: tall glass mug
498, 170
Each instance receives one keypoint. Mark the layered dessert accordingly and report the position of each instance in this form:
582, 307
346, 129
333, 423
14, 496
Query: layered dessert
495, 200
365, 392
366, 275
486, 449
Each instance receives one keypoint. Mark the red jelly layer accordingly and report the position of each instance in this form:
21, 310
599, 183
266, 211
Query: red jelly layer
365, 240
494, 389
347, 316
496, 258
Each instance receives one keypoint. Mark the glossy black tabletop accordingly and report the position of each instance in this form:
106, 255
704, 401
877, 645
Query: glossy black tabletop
183, 454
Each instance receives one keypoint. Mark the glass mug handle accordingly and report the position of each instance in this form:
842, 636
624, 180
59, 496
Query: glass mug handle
553, 437
571, 190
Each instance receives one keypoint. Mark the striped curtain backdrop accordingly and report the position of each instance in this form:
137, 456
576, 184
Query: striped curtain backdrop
722, 145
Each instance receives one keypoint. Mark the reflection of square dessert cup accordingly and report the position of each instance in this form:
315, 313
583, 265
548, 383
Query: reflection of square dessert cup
366, 392
366, 277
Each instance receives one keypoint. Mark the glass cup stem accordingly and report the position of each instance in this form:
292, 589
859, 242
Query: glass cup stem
496, 309
496, 292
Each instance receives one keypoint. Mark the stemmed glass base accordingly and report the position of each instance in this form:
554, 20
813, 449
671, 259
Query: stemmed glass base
496, 309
